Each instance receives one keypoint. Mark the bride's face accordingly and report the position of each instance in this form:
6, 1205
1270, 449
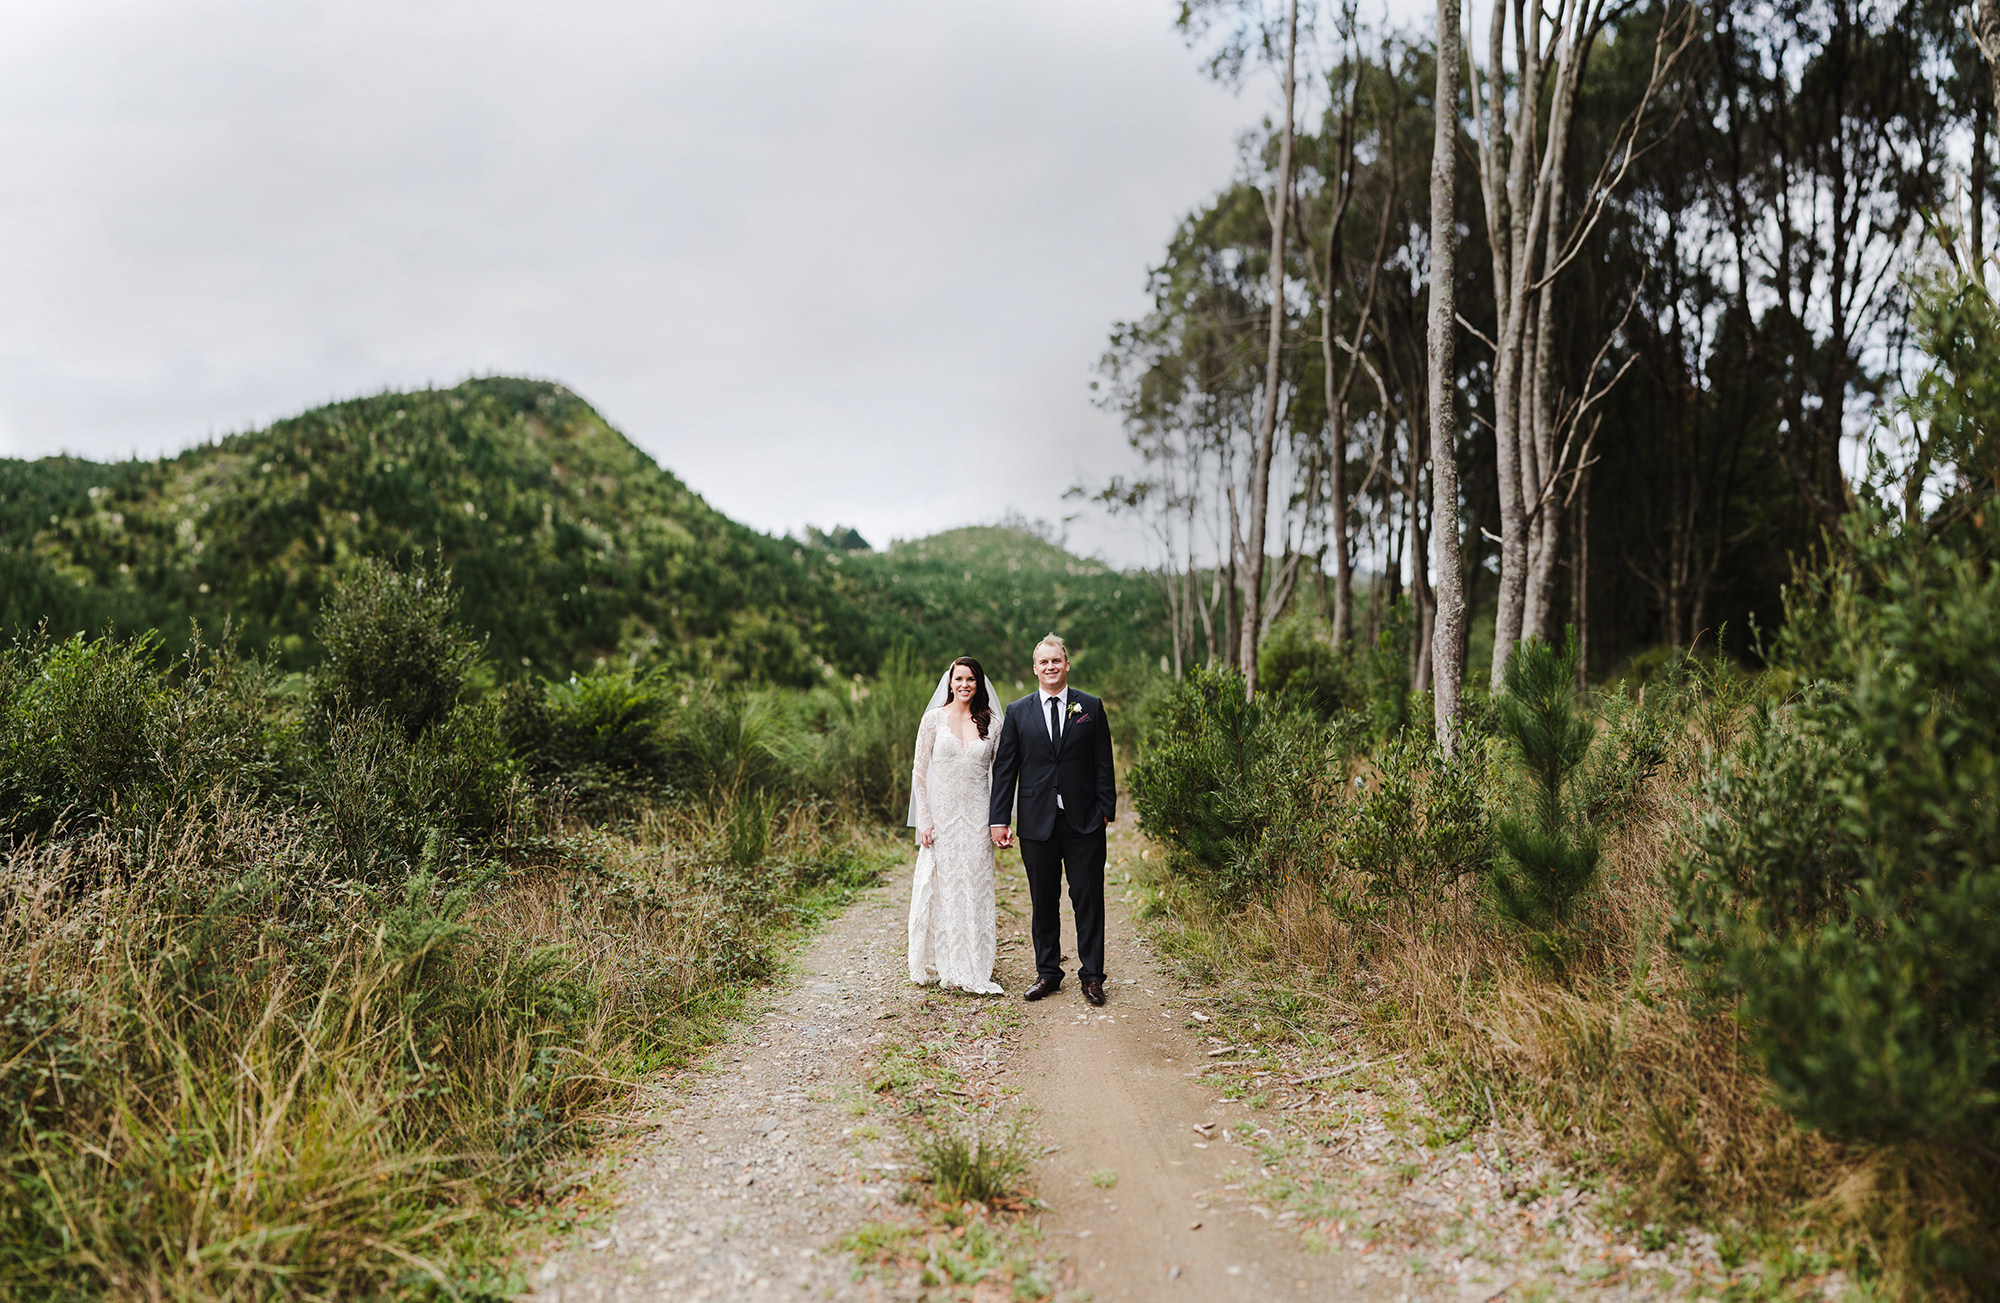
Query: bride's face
963, 684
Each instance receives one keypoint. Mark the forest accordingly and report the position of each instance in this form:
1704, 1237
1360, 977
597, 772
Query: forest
1691, 252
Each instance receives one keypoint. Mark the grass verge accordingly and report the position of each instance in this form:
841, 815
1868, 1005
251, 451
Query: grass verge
227, 1071
1428, 1098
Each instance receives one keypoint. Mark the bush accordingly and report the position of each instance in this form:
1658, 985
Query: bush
727, 742
1231, 786
1419, 826
1844, 890
96, 730
1548, 852
1298, 657
1384, 672
392, 647
603, 734
78, 715
870, 735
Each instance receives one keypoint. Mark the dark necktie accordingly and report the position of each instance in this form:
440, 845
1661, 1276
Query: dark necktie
1055, 724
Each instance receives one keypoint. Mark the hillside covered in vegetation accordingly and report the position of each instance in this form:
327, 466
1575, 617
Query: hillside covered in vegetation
991, 591
568, 545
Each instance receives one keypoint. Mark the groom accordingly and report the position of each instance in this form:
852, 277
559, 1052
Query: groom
1056, 743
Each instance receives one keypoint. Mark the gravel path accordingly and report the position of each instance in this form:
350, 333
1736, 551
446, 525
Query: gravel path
762, 1159
772, 1152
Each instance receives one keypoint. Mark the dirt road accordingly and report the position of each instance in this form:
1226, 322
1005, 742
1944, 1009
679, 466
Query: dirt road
1116, 1089
758, 1165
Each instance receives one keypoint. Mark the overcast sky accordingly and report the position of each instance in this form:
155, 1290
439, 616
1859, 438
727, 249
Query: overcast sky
828, 262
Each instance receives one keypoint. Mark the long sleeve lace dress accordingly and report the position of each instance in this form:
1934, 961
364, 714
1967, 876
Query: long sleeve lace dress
951, 897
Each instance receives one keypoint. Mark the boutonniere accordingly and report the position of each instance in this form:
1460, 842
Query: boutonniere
1076, 715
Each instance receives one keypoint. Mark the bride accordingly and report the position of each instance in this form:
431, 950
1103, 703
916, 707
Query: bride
951, 897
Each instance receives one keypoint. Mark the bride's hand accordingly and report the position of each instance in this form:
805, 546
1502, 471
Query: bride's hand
926, 836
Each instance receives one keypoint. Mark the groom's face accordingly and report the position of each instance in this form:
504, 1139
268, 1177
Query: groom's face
1051, 667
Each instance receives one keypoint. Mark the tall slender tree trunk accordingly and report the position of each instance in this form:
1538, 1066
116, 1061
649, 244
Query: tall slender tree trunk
1448, 629
1421, 602
1504, 183
1977, 200
1233, 612
1988, 31
1531, 235
1267, 423
1343, 528
1546, 514
1580, 580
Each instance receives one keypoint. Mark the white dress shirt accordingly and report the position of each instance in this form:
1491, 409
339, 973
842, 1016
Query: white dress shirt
1061, 698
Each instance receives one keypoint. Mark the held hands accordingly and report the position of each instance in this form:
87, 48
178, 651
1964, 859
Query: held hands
1002, 836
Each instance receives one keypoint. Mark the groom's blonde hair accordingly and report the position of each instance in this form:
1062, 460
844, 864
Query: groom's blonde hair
1055, 641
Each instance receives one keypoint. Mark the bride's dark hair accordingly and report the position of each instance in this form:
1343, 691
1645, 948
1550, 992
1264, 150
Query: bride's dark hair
982, 707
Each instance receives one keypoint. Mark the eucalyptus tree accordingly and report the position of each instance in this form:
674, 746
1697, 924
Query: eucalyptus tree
1986, 33
1523, 106
1830, 125
1185, 379
1239, 19
1355, 167
1447, 631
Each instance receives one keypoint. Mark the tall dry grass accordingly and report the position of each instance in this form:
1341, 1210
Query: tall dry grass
228, 1072
1612, 1066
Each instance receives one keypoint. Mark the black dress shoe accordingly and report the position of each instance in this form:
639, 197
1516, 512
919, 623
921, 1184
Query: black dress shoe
1093, 990
1043, 987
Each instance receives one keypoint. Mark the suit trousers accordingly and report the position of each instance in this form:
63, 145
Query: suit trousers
1081, 856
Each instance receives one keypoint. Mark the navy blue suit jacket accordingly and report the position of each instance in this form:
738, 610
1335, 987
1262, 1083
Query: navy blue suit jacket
1079, 769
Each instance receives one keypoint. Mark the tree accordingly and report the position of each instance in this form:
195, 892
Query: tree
1533, 233
1448, 630
1829, 130
1250, 548
1348, 278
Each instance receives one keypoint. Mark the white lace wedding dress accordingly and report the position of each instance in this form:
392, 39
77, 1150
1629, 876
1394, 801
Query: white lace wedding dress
951, 898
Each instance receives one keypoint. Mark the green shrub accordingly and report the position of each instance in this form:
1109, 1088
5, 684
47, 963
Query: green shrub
392, 646
726, 741
1231, 787
1417, 823
1635, 743
78, 718
870, 735
1384, 672
1298, 657
1548, 850
1957, 401
610, 720
1844, 891
602, 735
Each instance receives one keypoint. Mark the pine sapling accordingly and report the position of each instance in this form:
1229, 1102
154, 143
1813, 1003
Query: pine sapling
1548, 855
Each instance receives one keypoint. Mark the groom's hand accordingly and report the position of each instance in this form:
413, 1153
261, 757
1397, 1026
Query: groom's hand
1000, 836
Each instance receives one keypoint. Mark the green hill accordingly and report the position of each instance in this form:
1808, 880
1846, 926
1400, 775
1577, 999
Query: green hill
568, 543
992, 592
